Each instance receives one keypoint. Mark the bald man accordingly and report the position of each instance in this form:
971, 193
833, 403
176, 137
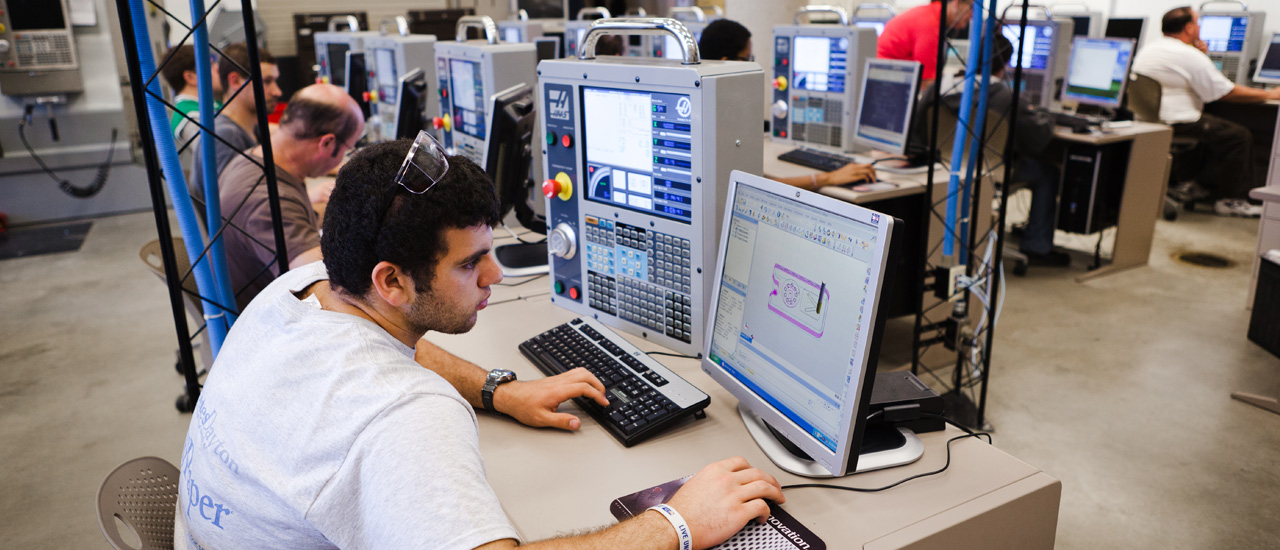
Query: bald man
320, 124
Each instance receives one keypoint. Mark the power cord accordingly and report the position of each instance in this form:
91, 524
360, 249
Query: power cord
99, 180
968, 433
882, 159
529, 280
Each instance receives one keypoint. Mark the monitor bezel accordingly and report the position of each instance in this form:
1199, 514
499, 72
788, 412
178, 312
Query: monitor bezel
1257, 73
400, 123
1124, 82
917, 73
843, 460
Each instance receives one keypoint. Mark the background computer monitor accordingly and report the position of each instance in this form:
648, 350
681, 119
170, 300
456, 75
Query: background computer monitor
548, 47
1122, 27
356, 76
1269, 66
886, 105
1224, 33
338, 63
508, 160
794, 324
1038, 42
411, 105
1098, 71
1081, 27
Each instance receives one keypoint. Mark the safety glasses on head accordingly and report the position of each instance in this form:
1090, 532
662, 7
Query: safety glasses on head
424, 166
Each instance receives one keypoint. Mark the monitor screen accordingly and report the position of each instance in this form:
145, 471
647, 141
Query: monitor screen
1223, 33
877, 25
1125, 28
511, 34
1036, 47
411, 107
507, 154
888, 99
338, 63
467, 88
358, 81
1098, 71
386, 75
32, 15
1081, 25
819, 63
548, 47
799, 279
639, 148
1269, 67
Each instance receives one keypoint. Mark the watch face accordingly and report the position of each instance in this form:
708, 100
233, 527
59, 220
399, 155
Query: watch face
501, 375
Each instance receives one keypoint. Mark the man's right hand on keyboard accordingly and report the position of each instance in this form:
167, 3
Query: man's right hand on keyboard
721, 498
534, 402
850, 173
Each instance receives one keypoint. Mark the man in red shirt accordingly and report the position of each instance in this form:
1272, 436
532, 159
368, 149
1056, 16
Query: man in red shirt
913, 35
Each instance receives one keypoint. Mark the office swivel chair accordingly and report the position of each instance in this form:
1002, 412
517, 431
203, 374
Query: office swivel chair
1143, 99
141, 495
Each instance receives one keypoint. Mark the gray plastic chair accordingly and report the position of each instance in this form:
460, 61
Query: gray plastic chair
143, 494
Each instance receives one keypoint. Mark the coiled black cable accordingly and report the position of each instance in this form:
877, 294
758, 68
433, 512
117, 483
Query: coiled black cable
99, 180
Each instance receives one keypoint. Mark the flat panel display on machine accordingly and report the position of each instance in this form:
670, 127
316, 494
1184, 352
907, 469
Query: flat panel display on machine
466, 85
388, 77
338, 63
34, 15
1099, 70
1269, 66
887, 103
793, 319
1224, 33
820, 63
639, 151
1036, 47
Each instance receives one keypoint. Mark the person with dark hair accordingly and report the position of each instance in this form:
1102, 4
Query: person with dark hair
317, 428
320, 123
180, 72
1189, 79
913, 34
1031, 162
611, 44
238, 123
725, 40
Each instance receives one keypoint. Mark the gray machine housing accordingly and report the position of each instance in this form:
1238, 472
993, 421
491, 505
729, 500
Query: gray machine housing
414, 51
353, 40
1042, 86
502, 66
834, 132
38, 61
524, 31
1097, 23
722, 140
1236, 65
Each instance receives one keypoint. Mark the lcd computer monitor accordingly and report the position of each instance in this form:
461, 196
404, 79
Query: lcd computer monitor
508, 160
1081, 27
1269, 67
411, 105
356, 76
548, 47
1126, 27
794, 326
1098, 71
886, 105
338, 63
1224, 33
1037, 45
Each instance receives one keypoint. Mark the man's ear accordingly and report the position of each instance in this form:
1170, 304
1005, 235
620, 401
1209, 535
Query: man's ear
392, 285
190, 78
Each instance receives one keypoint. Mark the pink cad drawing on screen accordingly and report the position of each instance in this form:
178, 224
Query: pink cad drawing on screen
796, 299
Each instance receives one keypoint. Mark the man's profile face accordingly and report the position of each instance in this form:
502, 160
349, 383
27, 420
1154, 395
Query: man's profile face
460, 288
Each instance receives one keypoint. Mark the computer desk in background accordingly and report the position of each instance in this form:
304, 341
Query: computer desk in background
554, 482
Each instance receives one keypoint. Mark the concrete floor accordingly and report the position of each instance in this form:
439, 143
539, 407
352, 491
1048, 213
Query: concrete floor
1118, 387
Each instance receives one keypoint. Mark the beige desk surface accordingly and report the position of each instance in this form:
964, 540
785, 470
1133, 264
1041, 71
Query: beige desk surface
774, 169
553, 482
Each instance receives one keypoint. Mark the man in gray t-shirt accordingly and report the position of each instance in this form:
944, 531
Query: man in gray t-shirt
318, 429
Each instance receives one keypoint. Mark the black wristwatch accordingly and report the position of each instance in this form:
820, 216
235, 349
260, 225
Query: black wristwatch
496, 377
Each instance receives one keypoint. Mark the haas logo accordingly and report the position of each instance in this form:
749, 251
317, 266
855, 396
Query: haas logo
558, 104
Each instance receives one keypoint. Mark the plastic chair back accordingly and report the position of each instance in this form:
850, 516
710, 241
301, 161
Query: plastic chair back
1144, 98
143, 494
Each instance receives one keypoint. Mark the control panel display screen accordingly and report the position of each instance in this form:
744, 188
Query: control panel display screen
467, 87
1223, 33
386, 74
32, 15
1036, 45
639, 151
820, 63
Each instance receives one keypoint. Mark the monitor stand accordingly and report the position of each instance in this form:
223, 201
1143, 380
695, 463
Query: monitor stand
522, 259
882, 447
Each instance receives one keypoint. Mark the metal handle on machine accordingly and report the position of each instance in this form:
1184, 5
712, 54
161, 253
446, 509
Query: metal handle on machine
640, 25
477, 22
718, 10
1058, 5
522, 15
353, 24
810, 10
402, 25
1047, 14
1243, 6
874, 6
638, 12
602, 11
698, 15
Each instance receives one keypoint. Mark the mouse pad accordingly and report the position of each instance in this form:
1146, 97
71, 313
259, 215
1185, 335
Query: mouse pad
781, 532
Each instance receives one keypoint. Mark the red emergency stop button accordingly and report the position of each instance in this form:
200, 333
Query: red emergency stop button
561, 186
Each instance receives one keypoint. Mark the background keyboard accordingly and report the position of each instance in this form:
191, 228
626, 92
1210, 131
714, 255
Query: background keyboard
818, 160
645, 398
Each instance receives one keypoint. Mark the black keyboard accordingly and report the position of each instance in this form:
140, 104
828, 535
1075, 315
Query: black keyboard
645, 398
818, 160
1072, 120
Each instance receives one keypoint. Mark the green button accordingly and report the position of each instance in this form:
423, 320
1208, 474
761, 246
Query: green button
551, 140
559, 287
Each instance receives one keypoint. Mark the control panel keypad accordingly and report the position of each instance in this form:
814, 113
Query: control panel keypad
601, 292
669, 261
641, 303
679, 323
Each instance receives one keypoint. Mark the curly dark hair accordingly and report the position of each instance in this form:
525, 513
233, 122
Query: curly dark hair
372, 219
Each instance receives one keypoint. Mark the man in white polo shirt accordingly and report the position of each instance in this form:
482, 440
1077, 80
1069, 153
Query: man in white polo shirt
1189, 79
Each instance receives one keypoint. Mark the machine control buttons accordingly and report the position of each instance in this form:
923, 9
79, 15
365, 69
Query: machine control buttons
561, 187
779, 109
442, 122
566, 140
780, 84
562, 241
4, 45
559, 287
573, 293
551, 138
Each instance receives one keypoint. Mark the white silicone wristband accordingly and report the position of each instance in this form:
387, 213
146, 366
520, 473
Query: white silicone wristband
682, 528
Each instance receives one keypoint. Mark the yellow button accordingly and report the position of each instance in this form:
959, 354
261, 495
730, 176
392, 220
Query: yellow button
3, 28
448, 122
780, 83
373, 95
566, 186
